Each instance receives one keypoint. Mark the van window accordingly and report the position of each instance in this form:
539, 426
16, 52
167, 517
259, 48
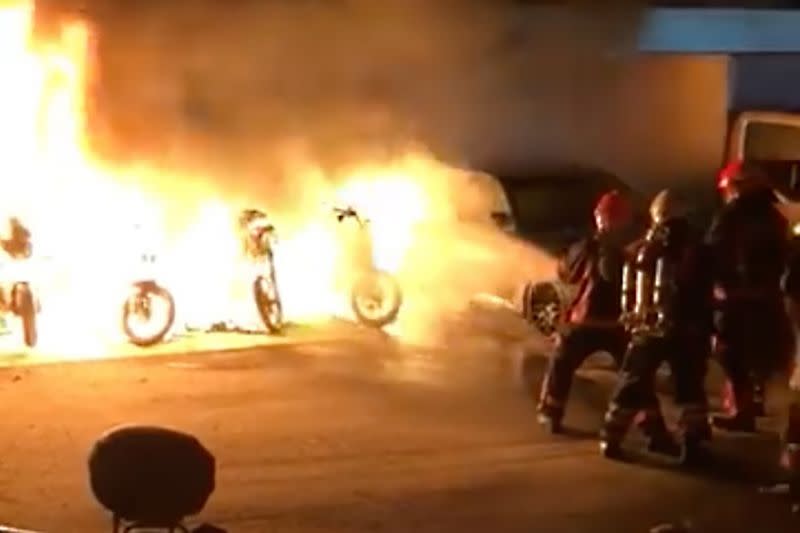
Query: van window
771, 142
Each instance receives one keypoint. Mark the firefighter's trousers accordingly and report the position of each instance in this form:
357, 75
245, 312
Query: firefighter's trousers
790, 458
576, 344
687, 356
753, 344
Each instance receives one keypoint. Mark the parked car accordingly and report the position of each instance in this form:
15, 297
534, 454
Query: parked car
552, 209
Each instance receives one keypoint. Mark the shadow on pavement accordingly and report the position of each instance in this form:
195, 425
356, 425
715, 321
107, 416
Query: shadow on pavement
732, 459
534, 500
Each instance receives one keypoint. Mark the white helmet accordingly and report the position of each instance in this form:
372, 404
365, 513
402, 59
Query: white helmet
663, 207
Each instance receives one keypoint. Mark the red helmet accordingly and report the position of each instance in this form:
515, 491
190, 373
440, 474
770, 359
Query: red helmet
729, 173
739, 174
613, 210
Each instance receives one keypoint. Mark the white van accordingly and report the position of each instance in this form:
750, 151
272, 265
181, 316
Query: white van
765, 136
772, 139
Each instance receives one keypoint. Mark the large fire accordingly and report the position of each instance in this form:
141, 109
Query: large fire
92, 220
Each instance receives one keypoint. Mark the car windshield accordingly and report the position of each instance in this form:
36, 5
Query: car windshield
772, 141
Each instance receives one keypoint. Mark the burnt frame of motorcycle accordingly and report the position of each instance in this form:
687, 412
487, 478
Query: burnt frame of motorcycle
22, 304
372, 284
18, 297
258, 246
267, 298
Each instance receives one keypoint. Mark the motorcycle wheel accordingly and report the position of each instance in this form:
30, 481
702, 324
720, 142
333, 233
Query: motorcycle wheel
543, 307
25, 309
146, 295
376, 299
268, 303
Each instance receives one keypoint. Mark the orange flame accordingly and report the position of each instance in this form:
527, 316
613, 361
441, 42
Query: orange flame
82, 211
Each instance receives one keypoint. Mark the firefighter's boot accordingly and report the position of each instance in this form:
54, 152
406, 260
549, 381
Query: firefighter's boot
616, 424
659, 439
728, 399
551, 407
695, 434
790, 461
549, 417
744, 418
759, 399
738, 423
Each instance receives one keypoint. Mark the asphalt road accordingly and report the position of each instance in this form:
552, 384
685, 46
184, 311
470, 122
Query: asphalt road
358, 432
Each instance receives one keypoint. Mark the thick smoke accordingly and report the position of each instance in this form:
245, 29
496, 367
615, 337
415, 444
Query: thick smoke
239, 85
267, 98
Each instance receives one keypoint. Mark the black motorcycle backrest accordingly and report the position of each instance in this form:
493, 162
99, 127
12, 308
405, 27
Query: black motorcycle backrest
151, 474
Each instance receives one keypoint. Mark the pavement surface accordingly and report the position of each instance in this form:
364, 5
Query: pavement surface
348, 430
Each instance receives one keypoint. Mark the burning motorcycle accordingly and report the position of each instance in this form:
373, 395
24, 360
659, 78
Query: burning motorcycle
375, 297
16, 294
18, 299
149, 310
259, 239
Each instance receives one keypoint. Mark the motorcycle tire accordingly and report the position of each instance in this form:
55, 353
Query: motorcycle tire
149, 291
364, 290
269, 306
25, 309
544, 305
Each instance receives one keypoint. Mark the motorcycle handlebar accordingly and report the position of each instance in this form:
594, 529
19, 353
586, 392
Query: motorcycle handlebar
349, 212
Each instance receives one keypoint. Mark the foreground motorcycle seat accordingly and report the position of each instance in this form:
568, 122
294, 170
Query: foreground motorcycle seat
151, 475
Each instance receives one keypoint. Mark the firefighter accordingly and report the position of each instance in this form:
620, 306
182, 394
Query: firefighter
790, 457
749, 249
592, 319
667, 307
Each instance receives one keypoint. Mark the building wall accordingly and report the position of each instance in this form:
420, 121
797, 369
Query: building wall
662, 120
671, 111
765, 81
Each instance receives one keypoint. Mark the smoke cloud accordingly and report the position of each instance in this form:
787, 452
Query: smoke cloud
266, 99
246, 85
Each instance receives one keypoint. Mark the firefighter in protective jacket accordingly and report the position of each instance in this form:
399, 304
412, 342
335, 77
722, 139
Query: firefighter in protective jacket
749, 246
667, 308
592, 322
790, 456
